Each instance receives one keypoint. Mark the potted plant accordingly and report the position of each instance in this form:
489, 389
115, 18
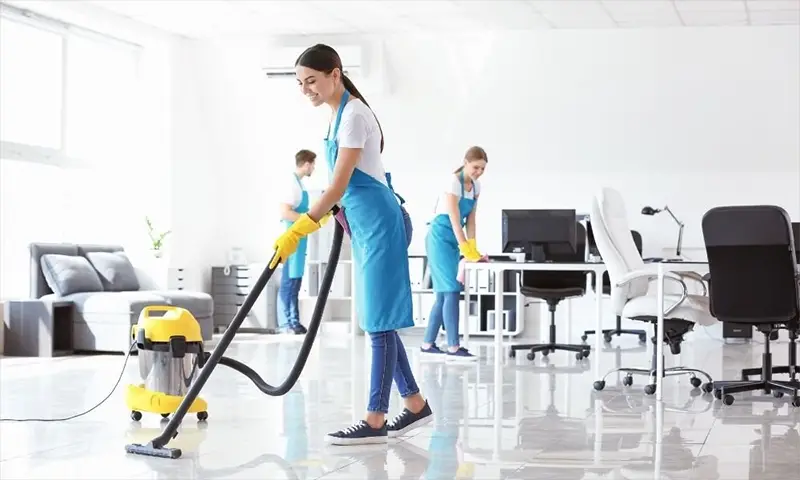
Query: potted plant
156, 239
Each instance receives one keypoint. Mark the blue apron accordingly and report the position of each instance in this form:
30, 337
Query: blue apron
441, 246
296, 263
380, 252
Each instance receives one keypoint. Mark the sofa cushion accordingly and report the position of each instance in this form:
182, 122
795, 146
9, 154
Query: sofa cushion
130, 304
116, 271
67, 274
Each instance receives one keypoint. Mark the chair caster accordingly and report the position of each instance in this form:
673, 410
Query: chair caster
777, 394
696, 382
728, 400
708, 387
650, 389
530, 356
607, 338
643, 338
136, 416
202, 416
584, 338
796, 402
718, 394
165, 415
512, 354
627, 381
599, 385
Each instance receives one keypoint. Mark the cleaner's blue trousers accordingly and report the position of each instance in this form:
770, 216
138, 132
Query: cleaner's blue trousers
445, 312
389, 362
288, 300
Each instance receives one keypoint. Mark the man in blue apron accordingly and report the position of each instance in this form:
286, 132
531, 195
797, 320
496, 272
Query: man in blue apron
444, 243
294, 203
379, 244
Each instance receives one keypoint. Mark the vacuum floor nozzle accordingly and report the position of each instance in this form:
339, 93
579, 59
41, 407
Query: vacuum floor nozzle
151, 451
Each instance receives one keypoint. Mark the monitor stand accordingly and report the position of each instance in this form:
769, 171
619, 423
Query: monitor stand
536, 253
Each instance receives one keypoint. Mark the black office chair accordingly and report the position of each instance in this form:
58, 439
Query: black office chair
553, 287
754, 280
617, 330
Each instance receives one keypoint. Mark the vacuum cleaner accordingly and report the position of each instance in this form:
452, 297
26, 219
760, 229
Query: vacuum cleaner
161, 395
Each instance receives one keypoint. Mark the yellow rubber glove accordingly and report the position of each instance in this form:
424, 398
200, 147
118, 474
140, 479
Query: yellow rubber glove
287, 243
474, 244
469, 253
324, 220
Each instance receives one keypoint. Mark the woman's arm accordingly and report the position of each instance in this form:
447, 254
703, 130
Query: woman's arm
451, 202
471, 221
345, 164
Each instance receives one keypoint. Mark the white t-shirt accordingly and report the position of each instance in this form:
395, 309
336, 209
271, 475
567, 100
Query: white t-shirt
358, 128
454, 186
290, 192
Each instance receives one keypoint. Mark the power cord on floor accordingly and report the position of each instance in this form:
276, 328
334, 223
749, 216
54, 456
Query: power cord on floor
64, 419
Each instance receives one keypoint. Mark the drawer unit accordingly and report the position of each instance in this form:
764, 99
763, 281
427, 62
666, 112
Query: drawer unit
230, 285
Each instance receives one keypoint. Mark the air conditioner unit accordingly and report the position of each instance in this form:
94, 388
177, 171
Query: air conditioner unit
280, 60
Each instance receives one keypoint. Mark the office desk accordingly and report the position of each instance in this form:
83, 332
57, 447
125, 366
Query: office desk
498, 268
700, 267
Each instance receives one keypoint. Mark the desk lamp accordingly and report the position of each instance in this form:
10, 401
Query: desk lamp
652, 211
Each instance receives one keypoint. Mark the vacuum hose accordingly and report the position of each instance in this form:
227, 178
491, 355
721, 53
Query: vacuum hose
156, 447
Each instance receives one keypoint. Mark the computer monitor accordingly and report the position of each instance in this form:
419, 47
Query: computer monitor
539, 233
796, 235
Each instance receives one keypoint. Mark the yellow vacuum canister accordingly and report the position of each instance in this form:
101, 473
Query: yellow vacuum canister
170, 351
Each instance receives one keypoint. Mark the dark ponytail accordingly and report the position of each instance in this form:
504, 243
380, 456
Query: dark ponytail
323, 58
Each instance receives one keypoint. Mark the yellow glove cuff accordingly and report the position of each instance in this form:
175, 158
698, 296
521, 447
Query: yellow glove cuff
324, 220
304, 225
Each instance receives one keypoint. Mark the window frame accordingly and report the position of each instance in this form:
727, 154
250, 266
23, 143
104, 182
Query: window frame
50, 156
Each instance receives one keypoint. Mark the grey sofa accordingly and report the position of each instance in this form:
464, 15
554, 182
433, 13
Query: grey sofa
108, 293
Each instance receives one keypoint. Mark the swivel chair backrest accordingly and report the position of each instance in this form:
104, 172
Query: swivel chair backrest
556, 280
754, 275
617, 246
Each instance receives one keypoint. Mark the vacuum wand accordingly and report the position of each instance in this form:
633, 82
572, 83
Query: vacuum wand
157, 446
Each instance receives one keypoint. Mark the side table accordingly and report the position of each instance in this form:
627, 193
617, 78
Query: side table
38, 328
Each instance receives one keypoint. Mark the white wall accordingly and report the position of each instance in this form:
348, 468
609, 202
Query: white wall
687, 117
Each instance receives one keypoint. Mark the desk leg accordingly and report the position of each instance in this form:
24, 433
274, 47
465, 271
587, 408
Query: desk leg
498, 320
465, 311
660, 335
598, 322
499, 360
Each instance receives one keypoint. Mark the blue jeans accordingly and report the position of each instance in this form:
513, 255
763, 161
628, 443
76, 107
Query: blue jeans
444, 312
389, 361
288, 299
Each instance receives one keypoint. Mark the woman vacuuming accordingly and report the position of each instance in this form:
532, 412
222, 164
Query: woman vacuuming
455, 208
380, 253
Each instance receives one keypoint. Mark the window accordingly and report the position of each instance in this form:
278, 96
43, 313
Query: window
30, 85
68, 120
100, 100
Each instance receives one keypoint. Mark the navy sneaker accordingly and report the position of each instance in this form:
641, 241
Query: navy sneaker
461, 355
407, 421
359, 434
300, 329
432, 350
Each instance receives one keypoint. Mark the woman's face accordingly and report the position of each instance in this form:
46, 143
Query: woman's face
475, 168
317, 86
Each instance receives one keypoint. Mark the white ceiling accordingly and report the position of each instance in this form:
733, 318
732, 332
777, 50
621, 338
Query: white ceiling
203, 18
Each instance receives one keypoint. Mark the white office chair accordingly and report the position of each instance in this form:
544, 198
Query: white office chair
634, 290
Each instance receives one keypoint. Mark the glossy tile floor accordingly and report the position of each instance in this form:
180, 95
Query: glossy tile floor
543, 422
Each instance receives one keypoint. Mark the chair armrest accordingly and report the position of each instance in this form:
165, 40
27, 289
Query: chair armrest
696, 277
651, 275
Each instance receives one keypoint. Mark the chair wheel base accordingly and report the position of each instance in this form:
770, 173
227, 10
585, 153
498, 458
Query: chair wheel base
627, 381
